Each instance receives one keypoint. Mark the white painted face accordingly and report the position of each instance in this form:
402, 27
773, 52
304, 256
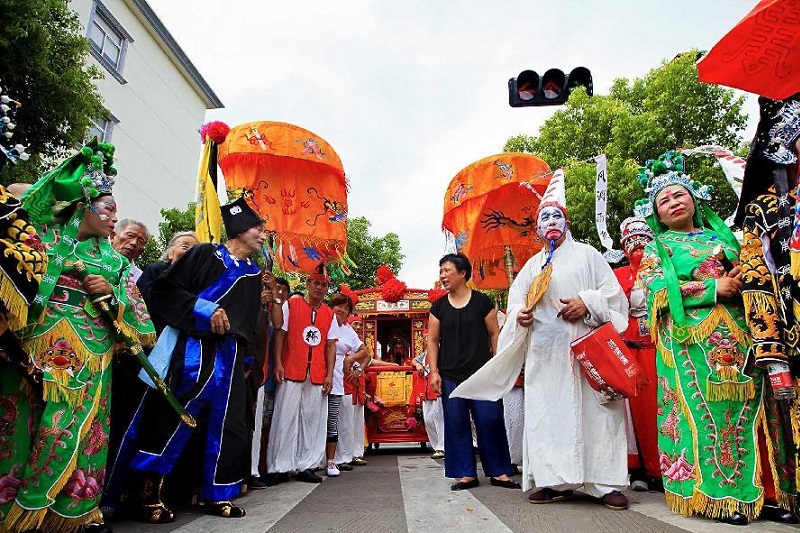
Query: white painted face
551, 224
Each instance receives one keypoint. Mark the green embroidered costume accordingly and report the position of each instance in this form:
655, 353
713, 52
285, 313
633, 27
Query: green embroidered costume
711, 412
54, 469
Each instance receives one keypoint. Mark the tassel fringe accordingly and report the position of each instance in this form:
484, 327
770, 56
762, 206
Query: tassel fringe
660, 301
730, 390
784, 499
758, 302
14, 303
702, 331
20, 520
56, 385
666, 354
795, 262
704, 505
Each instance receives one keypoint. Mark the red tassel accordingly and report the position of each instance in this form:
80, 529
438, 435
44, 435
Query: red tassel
435, 294
384, 274
344, 288
217, 131
393, 290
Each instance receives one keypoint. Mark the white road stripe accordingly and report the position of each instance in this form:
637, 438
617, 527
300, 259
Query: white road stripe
430, 505
264, 509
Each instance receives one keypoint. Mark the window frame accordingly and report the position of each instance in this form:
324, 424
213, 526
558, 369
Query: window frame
102, 14
108, 131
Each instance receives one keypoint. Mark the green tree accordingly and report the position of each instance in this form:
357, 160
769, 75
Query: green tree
174, 220
370, 252
637, 121
44, 67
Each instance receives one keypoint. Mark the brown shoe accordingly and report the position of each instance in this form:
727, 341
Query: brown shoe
615, 500
548, 495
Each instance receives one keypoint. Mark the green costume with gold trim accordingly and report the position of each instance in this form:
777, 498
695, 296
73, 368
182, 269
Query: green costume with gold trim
711, 407
715, 405
54, 471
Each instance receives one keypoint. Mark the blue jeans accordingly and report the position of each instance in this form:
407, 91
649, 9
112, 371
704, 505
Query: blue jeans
459, 460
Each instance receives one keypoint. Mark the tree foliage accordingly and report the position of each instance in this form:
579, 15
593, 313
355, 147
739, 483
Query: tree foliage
370, 252
174, 220
638, 120
44, 67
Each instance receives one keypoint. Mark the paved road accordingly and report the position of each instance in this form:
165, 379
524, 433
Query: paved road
401, 491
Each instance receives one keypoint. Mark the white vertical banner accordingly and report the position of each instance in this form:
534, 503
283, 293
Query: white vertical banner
600, 210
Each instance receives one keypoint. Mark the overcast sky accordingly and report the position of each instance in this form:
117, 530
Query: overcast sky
409, 92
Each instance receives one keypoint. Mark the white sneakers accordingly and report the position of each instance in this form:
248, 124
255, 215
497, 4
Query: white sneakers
331, 469
438, 454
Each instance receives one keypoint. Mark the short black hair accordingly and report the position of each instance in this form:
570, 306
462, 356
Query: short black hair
282, 281
460, 261
339, 299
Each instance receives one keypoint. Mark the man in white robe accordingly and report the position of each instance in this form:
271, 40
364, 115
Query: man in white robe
571, 440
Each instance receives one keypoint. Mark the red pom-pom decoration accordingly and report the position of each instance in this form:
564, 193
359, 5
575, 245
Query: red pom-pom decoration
217, 131
435, 294
393, 290
345, 289
412, 423
384, 274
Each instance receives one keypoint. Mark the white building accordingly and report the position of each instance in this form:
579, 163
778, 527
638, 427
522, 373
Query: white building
158, 101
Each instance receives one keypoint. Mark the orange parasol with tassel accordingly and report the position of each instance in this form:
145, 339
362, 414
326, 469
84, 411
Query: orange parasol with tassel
490, 209
296, 182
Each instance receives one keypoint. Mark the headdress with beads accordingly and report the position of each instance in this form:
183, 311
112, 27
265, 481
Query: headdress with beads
633, 226
654, 177
84, 176
658, 174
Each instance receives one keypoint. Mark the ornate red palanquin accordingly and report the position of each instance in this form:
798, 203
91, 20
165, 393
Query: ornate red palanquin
400, 401
381, 322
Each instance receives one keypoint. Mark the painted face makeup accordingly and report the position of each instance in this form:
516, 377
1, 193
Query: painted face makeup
634, 248
552, 224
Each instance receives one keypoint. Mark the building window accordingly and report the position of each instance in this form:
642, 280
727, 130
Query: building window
102, 128
108, 40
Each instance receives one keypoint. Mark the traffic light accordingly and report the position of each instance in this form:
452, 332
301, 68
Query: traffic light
551, 88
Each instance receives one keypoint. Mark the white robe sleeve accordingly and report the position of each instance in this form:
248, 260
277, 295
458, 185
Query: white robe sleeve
606, 303
497, 377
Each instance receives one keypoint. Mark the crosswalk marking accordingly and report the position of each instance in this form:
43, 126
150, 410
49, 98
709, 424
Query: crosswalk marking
430, 505
264, 509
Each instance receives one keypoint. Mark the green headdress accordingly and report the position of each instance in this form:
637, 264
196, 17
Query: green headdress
654, 177
83, 176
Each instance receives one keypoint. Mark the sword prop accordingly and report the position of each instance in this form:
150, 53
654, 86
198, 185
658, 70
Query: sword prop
100, 301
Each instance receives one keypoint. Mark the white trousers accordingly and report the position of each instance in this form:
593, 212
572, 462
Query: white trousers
346, 446
255, 447
514, 415
297, 434
359, 442
434, 422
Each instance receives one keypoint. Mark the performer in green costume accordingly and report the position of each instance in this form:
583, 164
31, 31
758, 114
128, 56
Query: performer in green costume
710, 411
54, 469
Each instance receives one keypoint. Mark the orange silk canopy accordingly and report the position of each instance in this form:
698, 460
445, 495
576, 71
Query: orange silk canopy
490, 208
295, 180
